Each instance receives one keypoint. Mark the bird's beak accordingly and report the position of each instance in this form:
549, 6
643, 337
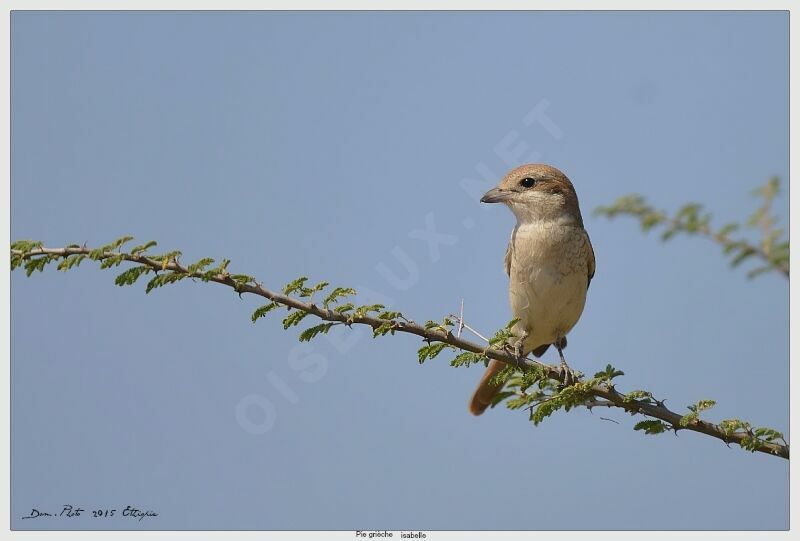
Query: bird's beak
496, 195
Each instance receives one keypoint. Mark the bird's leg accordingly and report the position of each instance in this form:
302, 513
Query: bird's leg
518, 351
568, 375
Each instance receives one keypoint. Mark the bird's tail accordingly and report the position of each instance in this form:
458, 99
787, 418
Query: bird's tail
487, 389
482, 397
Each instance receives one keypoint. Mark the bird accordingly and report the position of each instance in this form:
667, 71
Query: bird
550, 263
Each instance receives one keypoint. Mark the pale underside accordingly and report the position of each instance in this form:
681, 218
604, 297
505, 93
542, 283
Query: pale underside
549, 266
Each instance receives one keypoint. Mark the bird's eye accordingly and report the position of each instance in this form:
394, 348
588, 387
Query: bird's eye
527, 182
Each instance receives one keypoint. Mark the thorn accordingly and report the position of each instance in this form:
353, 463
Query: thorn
461, 318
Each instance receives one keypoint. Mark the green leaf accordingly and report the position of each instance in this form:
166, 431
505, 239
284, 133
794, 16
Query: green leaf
294, 318
336, 294
241, 280
364, 311
16, 260
199, 265
130, 276
689, 211
652, 426
219, 270
504, 334
165, 259
567, 398
695, 410
262, 311
499, 397
111, 246
744, 253
638, 395
112, 261
545, 409
467, 358
310, 291
726, 230
767, 434
731, 426
344, 308
169, 257
687, 419
732, 246
430, 351
36, 264
668, 234
294, 285
311, 332
649, 220
161, 280
609, 373
119, 242
97, 254
385, 328
71, 261
750, 444
703, 405
503, 376
521, 401
758, 271
26, 245
138, 250
389, 315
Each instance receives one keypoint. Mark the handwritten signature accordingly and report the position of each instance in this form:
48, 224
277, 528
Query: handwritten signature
69, 511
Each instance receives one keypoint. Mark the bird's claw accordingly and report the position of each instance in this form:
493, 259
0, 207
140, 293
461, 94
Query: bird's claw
567, 374
518, 353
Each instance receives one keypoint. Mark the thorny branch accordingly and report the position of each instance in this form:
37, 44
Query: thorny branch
30, 255
772, 249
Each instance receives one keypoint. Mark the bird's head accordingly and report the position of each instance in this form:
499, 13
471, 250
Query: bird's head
537, 192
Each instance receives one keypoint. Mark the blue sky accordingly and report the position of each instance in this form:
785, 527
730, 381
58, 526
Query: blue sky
321, 144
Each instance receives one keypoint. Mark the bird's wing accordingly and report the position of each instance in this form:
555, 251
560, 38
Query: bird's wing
590, 262
507, 259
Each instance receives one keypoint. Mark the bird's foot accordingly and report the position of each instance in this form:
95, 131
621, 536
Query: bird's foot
518, 351
518, 354
567, 374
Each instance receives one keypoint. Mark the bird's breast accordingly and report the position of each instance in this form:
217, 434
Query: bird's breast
548, 279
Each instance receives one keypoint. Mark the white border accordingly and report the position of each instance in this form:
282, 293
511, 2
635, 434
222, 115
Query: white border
421, 5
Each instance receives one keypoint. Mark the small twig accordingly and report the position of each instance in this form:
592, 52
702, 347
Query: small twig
506, 348
470, 329
599, 404
461, 319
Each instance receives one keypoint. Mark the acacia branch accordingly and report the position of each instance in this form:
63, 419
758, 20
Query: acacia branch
772, 249
33, 256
